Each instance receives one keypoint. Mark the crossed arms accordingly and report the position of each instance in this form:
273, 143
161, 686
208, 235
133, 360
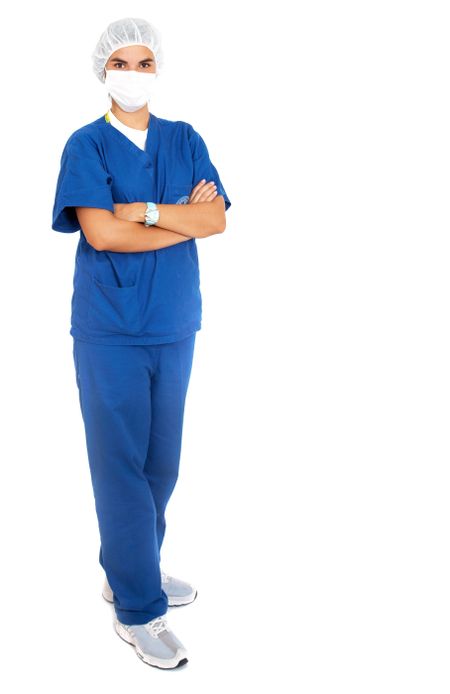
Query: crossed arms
124, 231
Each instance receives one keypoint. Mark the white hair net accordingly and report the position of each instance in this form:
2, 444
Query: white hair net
126, 32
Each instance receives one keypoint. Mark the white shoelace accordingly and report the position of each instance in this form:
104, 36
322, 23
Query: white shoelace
156, 626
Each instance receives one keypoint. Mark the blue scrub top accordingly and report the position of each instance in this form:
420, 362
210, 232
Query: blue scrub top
141, 298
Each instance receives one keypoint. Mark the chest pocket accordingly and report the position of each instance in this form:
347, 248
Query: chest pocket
178, 194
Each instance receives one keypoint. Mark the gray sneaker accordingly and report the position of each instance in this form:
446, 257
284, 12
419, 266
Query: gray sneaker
178, 592
155, 642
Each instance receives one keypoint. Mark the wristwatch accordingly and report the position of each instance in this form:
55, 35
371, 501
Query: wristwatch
151, 214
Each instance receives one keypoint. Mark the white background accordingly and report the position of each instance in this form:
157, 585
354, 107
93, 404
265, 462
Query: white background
311, 510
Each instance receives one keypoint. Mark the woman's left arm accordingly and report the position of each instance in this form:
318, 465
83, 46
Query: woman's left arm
204, 215
196, 221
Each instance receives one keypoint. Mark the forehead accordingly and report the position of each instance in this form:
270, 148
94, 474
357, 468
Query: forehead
132, 53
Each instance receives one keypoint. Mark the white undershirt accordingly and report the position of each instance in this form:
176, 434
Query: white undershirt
139, 137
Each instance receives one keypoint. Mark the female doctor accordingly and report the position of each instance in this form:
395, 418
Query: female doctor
140, 189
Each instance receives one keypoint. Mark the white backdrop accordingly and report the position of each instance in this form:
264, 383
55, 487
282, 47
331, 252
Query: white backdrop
311, 510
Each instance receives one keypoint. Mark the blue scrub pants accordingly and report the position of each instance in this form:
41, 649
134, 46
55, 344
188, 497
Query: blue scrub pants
132, 402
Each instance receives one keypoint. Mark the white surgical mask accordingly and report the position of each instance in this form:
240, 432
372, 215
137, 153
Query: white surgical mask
129, 88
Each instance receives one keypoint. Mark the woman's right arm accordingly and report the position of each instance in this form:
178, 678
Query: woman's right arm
123, 236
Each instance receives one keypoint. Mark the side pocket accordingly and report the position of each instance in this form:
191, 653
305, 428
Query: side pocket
75, 361
114, 309
77, 372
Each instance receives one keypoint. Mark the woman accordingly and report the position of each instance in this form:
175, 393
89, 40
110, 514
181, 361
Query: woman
140, 189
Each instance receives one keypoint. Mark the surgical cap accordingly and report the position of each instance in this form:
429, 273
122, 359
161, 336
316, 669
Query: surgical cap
129, 31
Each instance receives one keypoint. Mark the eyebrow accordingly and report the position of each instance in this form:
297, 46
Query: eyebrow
120, 60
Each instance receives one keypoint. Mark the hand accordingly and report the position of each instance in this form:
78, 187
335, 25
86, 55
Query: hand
130, 211
203, 192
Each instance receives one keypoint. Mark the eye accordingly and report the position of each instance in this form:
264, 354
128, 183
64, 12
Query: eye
147, 64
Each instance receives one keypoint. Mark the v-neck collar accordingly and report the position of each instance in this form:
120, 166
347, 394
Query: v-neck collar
150, 143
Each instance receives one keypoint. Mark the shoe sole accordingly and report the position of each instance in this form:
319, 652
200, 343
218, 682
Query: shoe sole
170, 604
147, 659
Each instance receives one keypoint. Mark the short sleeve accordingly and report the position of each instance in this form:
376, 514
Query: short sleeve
82, 181
203, 166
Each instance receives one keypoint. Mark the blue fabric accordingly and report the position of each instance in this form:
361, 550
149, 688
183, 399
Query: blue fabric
149, 297
132, 400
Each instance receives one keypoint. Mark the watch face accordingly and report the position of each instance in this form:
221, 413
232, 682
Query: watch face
152, 216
